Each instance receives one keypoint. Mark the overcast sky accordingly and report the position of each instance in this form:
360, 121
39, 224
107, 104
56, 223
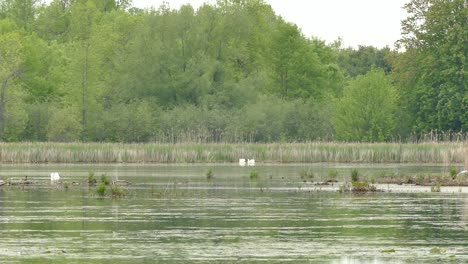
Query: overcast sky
357, 22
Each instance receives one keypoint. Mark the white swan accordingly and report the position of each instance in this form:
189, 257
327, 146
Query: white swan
242, 162
251, 162
54, 176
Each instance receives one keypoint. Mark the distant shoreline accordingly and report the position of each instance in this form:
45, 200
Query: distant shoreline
449, 153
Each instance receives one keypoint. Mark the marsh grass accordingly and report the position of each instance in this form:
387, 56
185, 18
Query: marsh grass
101, 189
253, 175
445, 153
117, 191
209, 174
306, 174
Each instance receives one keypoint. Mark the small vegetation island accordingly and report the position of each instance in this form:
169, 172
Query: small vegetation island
90, 81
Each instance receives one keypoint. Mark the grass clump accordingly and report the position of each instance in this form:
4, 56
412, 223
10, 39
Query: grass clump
117, 191
453, 172
435, 188
437, 250
101, 189
306, 174
253, 174
91, 179
209, 174
354, 175
332, 175
104, 180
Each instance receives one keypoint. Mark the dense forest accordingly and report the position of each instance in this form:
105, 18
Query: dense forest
103, 70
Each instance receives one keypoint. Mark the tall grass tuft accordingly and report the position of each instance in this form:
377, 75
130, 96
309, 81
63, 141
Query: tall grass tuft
101, 189
444, 153
209, 174
354, 175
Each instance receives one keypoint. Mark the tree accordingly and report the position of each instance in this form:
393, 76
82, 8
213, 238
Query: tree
11, 58
431, 72
366, 110
358, 62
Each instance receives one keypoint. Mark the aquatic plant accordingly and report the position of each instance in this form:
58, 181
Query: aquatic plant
253, 174
332, 175
91, 179
354, 175
437, 250
453, 172
344, 188
104, 179
306, 174
420, 179
209, 174
117, 191
435, 188
101, 189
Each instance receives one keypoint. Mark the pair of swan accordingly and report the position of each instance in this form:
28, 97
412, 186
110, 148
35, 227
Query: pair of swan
250, 162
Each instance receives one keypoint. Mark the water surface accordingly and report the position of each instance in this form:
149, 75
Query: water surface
173, 214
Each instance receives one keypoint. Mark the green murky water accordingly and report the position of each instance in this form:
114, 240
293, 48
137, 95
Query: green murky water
172, 214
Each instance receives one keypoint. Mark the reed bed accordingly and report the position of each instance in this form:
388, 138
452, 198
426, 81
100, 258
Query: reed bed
446, 153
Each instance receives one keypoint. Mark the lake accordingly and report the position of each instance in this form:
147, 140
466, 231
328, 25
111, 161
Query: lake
173, 214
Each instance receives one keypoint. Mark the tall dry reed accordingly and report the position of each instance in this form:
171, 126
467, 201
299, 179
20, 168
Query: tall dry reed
446, 153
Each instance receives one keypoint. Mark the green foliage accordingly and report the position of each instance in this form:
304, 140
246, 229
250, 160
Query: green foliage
63, 125
306, 174
332, 175
435, 188
354, 175
91, 179
253, 174
453, 172
231, 72
355, 62
431, 73
104, 180
117, 191
101, 189
209, 174
366, 110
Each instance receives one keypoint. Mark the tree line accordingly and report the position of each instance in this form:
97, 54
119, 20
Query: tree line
103, 70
